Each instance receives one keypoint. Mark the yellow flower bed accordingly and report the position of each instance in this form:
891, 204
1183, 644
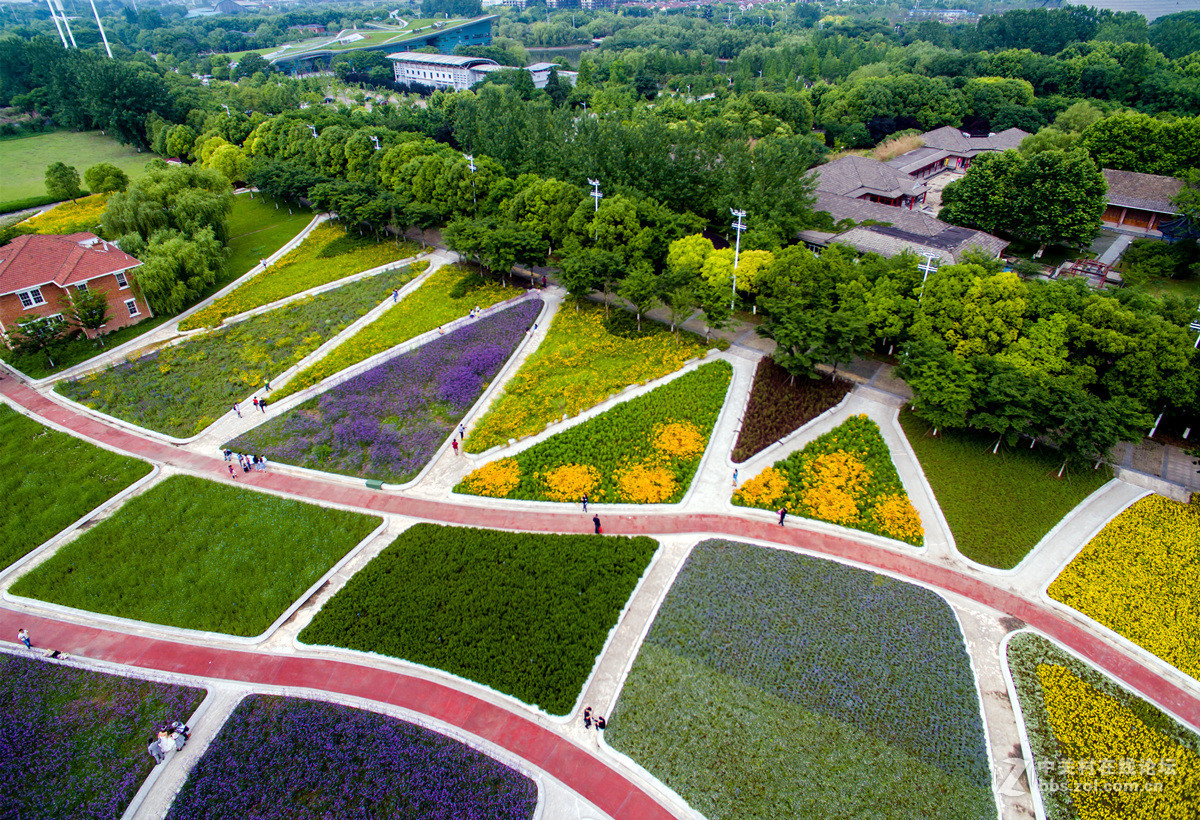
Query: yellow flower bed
846, 477
70, 217
1114, 765
1139, 577
495, 479
577, 366
428, 307
680, 439
570, 481
327, 254
764, 490
646, 483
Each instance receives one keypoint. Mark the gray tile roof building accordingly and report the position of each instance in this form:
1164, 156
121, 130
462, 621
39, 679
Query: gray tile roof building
1145, 192
861, 176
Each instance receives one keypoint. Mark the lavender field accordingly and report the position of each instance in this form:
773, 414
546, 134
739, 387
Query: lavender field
388, 422
73, 742
279, 757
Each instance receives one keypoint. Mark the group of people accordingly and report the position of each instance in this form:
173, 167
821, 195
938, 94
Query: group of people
595, 518
247, 462
589, 721
168, 739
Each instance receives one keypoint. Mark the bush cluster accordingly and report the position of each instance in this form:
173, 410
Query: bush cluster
524, 613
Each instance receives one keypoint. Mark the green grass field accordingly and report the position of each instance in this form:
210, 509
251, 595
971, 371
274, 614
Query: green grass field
24, 160
49, 479
998, 506
257, 229
199, 555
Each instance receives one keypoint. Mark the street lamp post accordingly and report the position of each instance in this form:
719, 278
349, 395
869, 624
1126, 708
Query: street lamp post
596, 197
738, 226
471, 164
375, 140
226, 107
313, 128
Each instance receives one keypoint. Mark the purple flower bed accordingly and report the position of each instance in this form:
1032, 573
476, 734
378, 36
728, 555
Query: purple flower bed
279, 757
73, 742
388, 422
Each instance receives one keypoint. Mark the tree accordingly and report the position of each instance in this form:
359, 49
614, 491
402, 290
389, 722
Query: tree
249, 65
87, 310
176, 268
36, 335
62, 181
641, 289
1051, 196
104, 177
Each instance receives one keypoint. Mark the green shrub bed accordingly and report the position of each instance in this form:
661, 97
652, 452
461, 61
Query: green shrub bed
644, 451
524, 613
184, 388
74, 740
775, 685
780, 404
49, 479
998, 506
199, 554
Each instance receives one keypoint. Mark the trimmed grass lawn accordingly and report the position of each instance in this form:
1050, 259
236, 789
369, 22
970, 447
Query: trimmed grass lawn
1140, 577
74, 740
257, 229
524, 613
182, 389
345, 762
449, 293
388, 422
582, 360
326, 255
776, 685
998, 506
642, 451
199, 554
1075, 716
49, 479
24, 160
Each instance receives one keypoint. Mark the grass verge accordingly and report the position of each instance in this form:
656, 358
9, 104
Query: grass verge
49, 479
182, 389
998, 506
449, 293
326, 255
524, 613
582, 361
198, 554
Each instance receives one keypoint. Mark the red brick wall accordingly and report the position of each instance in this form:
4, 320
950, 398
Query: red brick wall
11, 311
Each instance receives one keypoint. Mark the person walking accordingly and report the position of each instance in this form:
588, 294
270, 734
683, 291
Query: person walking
584, 500
782, 515
395, 295
228, 453
254, 401
735, 476
596, 522
236, 410
462, 431
587, 718
267, 385
232, 474
454, 444
155, 751
23, 637
262, 404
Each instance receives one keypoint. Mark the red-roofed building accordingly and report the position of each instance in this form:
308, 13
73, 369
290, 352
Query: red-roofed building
38, 274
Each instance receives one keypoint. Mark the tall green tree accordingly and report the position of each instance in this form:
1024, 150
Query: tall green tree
62, 181
104, 177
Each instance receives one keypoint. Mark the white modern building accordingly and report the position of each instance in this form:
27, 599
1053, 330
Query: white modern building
440, 70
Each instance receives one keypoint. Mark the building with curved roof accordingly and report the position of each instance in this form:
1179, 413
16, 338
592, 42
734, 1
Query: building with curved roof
440, 70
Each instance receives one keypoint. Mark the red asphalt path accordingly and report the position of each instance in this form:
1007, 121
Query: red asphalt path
590, 777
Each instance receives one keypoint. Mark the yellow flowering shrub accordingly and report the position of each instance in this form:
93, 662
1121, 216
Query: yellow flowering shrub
578, 365
1139, 577
898, 518
433, 304
570, 481
495, 479
845, 476
679, 439
1108, 747
70, 217
764, 490
646, 484
327, 254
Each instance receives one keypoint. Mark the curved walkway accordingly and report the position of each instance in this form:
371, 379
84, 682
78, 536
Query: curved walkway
592, 778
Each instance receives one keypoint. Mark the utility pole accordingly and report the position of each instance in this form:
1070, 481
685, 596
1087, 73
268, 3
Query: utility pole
596, 197
57, 24
63, 14
738, 226
103, 37
471, 164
